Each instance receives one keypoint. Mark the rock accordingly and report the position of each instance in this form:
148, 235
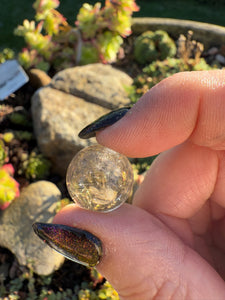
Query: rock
58, 118
213, 51
96, 83
220, 58
75, 97
38, 78
222, 50
37, 202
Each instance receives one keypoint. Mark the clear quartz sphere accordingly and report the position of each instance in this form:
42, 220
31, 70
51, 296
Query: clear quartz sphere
99, 179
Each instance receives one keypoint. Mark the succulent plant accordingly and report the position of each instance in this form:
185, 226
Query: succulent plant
2, 153
62, 203
151, 46
108, 292
40, 287
89, 54
7, 137
97, 36
158, 70
6, 54
109, 45
20, 118
23, 135
9, 187
35, 167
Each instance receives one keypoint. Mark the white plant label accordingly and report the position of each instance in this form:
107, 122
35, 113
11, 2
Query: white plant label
12, 77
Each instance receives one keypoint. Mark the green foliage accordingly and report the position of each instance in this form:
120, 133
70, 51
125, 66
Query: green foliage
47, 39
7, 137
97, 37
23, 135
62, 203
3, 154
109, 45
162, 69
151, 46
68, 294
114, 16
16, 284
89, 54
160, 49
158, 70
189, 59
31, 58
18, 118
35, 167
6, 54
106, 292
39, 287
142, 164
212, 2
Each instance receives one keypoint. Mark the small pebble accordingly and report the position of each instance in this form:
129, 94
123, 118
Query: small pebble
213, 51
220, 58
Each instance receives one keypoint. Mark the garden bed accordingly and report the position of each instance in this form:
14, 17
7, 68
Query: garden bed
71, 279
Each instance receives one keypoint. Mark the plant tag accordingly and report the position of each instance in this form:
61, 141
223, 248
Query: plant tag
12, 77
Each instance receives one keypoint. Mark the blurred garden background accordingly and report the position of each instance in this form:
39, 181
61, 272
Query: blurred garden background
13, 13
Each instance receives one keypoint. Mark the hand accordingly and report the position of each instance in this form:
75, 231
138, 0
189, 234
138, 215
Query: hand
171, 243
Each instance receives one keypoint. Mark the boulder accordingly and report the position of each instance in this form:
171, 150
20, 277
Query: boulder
75, 97
38, 78
37, 203
58, 118
96, 83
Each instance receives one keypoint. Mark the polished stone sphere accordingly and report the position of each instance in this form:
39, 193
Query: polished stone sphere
99, 179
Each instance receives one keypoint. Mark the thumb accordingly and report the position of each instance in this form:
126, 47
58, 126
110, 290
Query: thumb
142, 258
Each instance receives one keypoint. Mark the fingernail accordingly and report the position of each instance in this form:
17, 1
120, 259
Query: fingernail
104, 121
75, 244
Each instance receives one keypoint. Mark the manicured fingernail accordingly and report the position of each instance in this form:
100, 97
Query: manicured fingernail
104, 121
75, 244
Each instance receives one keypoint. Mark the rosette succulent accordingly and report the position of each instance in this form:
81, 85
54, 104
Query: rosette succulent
9, 187
151, 46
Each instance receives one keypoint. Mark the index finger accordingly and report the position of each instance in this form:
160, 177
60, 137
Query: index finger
188, 105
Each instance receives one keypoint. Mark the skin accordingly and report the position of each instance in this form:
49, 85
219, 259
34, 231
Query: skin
171, 243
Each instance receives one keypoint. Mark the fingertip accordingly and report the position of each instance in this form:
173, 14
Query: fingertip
120, 238
162, 118
174, 110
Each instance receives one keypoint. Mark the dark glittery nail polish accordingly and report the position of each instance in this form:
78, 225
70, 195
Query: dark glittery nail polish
104, 121
75, 244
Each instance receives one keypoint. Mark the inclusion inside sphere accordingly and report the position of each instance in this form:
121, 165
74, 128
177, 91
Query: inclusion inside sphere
99, 178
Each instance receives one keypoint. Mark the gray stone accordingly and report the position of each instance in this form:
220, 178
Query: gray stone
38, 78
76, 97
37, 203
58, 118
96, 83
213, 51
220, 58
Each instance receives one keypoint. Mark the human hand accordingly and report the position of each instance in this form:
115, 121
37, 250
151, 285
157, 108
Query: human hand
171, 243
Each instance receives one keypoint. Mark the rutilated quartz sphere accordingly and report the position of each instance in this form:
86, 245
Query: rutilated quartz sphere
99, 179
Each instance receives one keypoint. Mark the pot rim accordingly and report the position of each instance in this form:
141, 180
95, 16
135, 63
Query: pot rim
206, 33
